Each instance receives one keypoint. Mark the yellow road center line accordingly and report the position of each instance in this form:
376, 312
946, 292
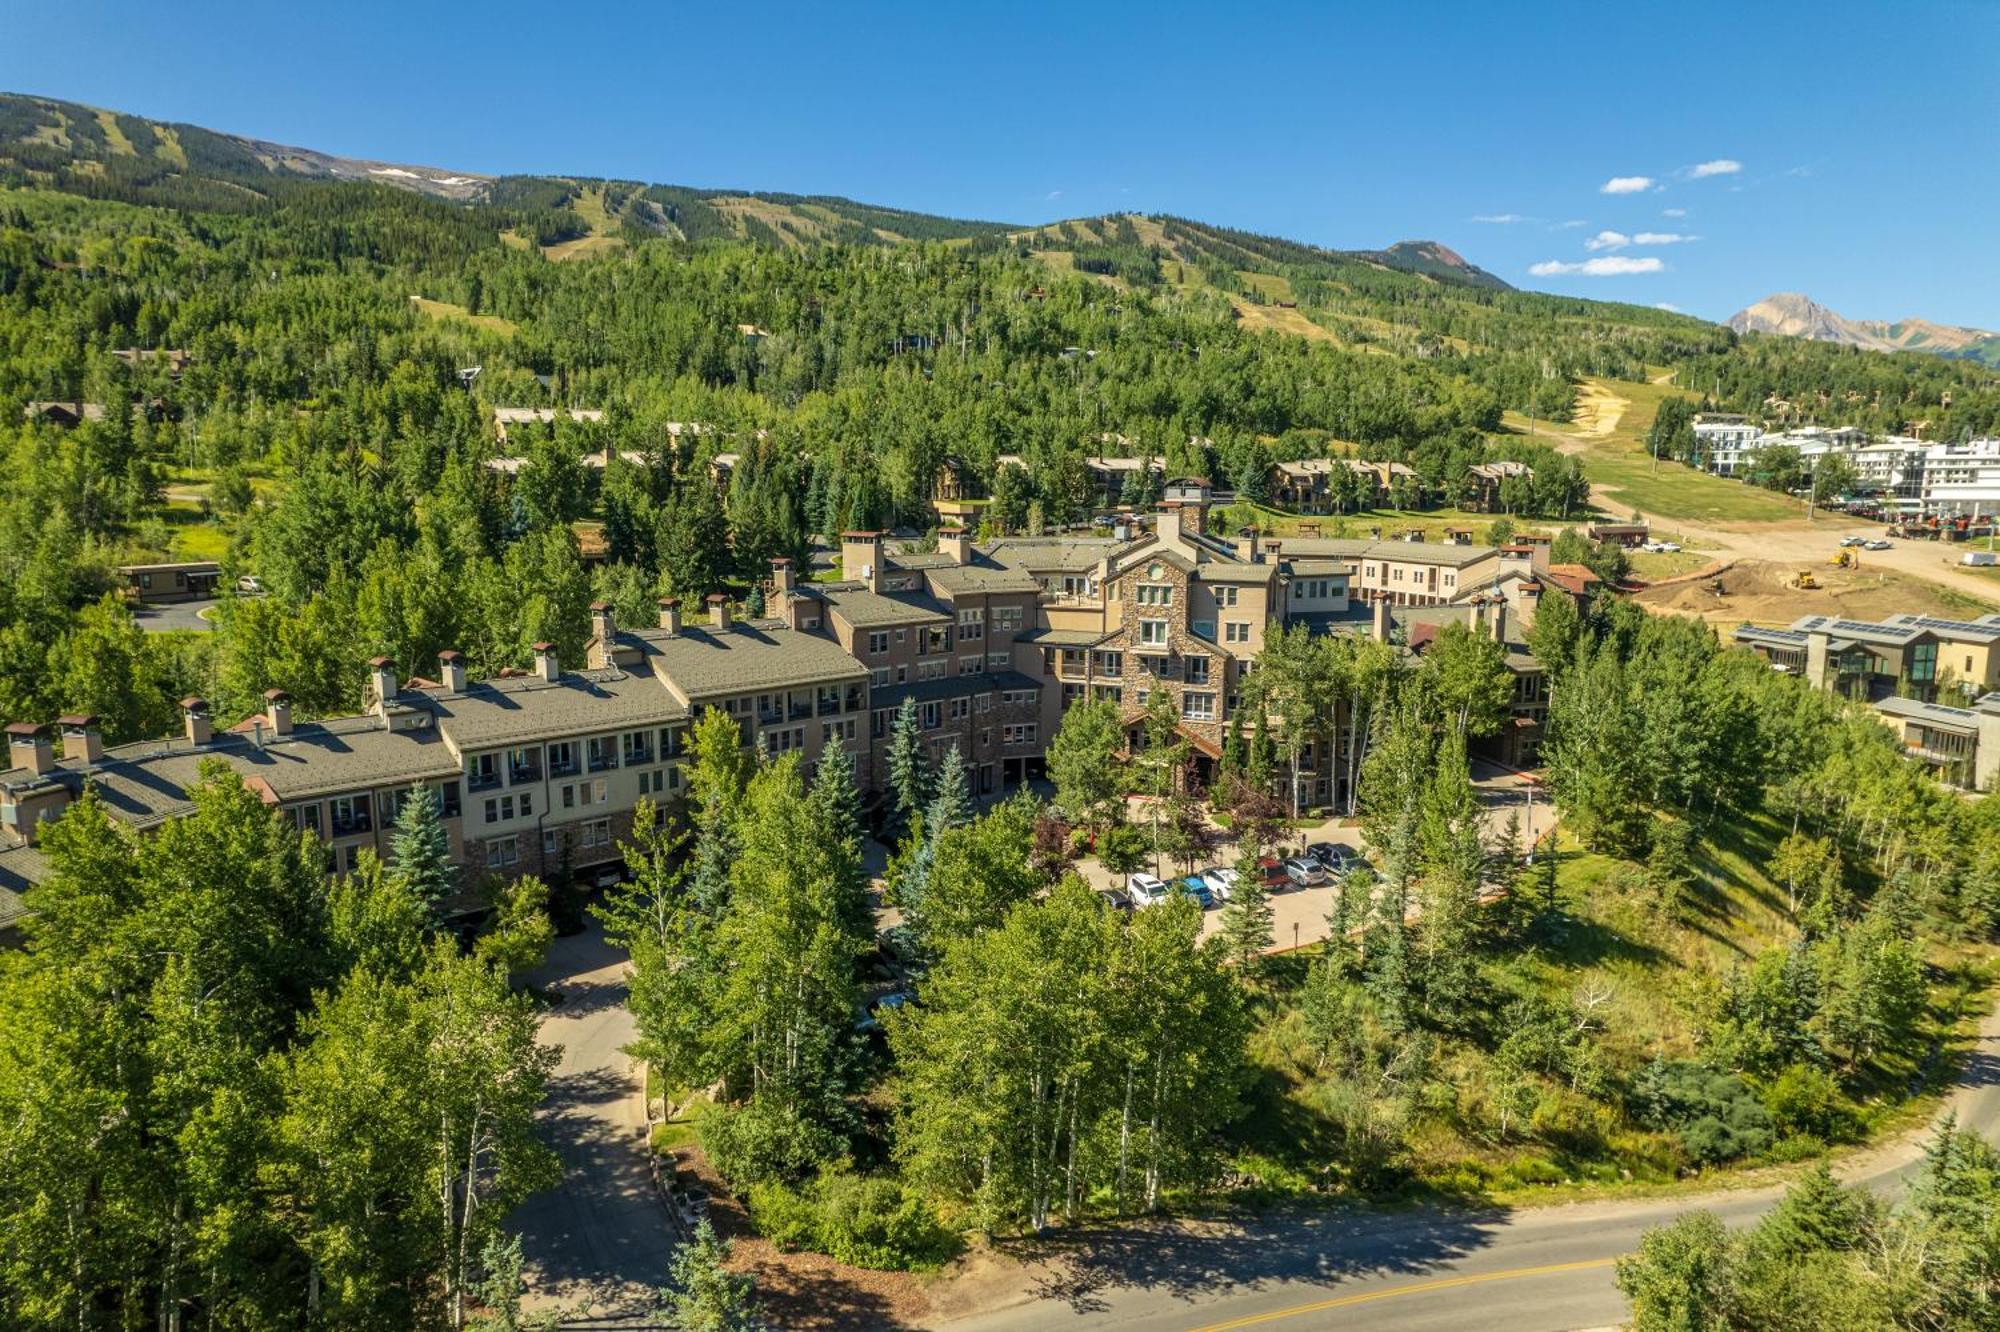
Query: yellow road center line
1418, 1288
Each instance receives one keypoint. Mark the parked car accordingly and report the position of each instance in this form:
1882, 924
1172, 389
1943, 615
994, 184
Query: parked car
1220, 881
1193, 886
250, 585
1145, 890
1305, 871
1877, 544
1854, 541
1115, 898
1334, 857
1271, 873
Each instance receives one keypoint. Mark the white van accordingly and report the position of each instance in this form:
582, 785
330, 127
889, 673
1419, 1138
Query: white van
1979, 559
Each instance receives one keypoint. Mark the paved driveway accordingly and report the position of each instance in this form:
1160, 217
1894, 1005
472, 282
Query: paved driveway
160, 618
598, 1243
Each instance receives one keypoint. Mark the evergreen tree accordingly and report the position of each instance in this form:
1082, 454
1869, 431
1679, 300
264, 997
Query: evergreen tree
909, 769
1247, 921
421, 851
704, 1295
951, 795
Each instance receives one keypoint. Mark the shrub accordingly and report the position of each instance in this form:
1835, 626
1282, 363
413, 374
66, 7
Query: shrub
765, 1140
1716, 1114
1806, 1101
861, 1220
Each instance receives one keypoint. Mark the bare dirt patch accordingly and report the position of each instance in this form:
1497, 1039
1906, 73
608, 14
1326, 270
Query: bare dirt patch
1760, 592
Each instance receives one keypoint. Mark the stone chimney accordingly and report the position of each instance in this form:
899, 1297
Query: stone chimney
1247, 548
194, 713
1499, 619
1379, 626
381, 683
783, 581
28, 747
670, 615
1530, 594
718, 611
278, 711
861, 558
604, 626
451, 671
957, 543
82, 739
546, 666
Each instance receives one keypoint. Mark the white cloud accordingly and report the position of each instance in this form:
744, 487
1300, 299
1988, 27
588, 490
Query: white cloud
1612, 265
1573, 223
1661, 238
1721, 166
1500, 219
1608, 240
1626, 185
1673, 212
1668, 306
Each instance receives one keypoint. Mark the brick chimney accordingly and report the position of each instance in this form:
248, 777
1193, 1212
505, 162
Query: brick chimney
861, 558
546, 665
783, 581
278, 711
604, 625
451, 671
718, 611
670, 615
381, 683
1379, 627
28, 747
1247, 548
194, 715
957, 543
82, 738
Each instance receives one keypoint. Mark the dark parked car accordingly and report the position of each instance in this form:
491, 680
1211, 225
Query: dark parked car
1334, 857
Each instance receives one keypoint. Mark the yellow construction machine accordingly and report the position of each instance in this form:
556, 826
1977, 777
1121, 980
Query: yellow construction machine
1804, 581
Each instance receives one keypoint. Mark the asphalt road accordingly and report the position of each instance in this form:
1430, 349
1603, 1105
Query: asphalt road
166, 615
1546, 1269
598, 1243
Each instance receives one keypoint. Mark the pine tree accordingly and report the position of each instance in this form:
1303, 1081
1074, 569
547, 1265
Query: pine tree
1262, 764
704, 1295
1247, 921
422, 851
951, 796
909, 771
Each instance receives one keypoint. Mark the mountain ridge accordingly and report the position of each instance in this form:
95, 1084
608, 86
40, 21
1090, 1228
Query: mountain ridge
93, 150
1794, 314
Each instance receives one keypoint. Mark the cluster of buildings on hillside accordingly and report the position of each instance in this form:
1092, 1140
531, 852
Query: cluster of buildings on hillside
538, 771
1906, 478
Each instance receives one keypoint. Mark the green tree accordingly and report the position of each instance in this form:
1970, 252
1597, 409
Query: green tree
909, 769
1083, 762
420, 851
704, 1295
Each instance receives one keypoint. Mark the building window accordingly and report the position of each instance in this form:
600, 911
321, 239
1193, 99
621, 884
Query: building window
638, 748
670, 742
1020, 733
1197, 670
603, 752
971, 665
308, 818
503, 851
524, 766
930, 670
971, 625
562, 758
929, 716
960, 709
1225, 596
1006, 619
1110, 663
1153, 632
482, 773
349, 814
1203, 629
1236, 631
1147, 594
1198, 707
449, 800
878, 642
878, 723
879, 677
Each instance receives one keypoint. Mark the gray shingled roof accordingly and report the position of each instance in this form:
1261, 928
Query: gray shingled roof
1073, 638
866, 610
971, 579
1052, 554
517, 709
20, 868
707, 663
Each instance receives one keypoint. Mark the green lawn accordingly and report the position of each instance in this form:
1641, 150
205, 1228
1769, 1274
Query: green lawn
446, 310
1618, 461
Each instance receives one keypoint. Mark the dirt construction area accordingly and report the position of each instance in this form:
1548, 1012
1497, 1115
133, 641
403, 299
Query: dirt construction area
1763, 592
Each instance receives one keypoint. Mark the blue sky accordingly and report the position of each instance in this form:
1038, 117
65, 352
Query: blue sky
1861, 136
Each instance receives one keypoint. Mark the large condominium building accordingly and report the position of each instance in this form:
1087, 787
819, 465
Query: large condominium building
1933, 680
538, 771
